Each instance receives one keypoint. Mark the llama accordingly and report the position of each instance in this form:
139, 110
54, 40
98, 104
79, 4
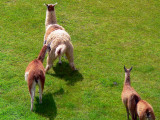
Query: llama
35, 74
59, 38
145, 111
129, 96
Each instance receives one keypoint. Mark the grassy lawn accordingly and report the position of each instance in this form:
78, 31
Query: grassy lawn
106, 34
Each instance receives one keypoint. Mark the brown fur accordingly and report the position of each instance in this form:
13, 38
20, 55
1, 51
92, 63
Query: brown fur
144, 110
51, 8
42, 53
129, 96
35, 74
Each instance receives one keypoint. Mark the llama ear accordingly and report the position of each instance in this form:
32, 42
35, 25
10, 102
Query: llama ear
44, 42
55, 4
130, 69
125, 69
49, 47
46, 4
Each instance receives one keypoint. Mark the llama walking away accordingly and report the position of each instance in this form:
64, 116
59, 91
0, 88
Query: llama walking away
59, 38
145, 111
35, 74
129, 96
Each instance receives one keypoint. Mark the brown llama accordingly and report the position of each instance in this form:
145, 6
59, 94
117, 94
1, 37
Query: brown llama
145, 111
59, 38
129, 96
35, 74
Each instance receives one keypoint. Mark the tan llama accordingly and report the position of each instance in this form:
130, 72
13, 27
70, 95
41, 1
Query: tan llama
59, 38
129, 96
35, 74
145, 111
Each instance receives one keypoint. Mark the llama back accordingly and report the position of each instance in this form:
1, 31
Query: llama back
52, 28
58, 37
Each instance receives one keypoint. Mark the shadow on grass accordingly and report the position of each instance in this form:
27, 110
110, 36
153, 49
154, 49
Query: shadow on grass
47, 108
64, 71
59, 92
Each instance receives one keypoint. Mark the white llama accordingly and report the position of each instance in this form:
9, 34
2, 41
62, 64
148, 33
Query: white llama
59, 38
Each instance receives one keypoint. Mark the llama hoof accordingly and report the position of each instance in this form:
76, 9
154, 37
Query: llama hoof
45, 71
74, 69
60, 63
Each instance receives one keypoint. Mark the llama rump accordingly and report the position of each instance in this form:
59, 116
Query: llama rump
145, 111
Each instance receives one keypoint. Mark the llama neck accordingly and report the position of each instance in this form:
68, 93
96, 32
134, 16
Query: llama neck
50, 18
42, 53
127, 78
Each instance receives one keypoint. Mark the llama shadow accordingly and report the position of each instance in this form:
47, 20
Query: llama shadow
59, 92
47, 108
64, 71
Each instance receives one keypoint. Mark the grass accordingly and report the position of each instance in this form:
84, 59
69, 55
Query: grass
106, 35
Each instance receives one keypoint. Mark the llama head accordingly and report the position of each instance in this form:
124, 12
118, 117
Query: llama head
50, 7
127, 74
48, 48
127, 70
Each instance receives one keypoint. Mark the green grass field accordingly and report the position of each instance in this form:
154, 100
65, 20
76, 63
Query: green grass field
106, 34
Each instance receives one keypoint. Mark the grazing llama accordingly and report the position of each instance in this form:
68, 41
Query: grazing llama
59, 38
35, 74
129, 96
145, 111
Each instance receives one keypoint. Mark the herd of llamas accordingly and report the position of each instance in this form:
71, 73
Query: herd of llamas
57, 42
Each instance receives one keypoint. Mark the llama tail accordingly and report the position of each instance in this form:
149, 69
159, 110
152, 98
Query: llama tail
38, 76
60, 50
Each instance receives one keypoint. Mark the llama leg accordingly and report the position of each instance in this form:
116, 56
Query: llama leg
132, 115
40, 92
127, 113
132, 107
26, 76
135, 116
142, 117
32, 93
60, 62
41, 86
69, 54
32, 99
50, 59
